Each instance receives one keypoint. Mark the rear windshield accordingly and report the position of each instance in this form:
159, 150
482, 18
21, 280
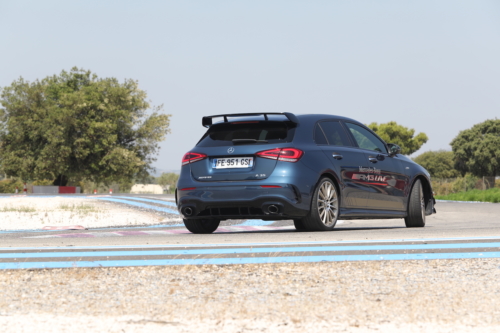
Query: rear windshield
247, 133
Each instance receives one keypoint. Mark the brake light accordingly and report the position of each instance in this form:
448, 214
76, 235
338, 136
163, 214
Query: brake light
290, 155
282, 154
192, 157
272, 154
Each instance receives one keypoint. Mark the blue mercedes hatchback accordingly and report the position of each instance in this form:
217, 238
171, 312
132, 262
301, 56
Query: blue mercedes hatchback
312, 169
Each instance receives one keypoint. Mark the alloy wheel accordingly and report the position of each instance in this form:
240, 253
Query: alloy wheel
327, 204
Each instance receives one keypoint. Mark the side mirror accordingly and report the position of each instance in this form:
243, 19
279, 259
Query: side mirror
394, 149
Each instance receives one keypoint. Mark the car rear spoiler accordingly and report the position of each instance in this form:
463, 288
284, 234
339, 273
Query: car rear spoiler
207, 121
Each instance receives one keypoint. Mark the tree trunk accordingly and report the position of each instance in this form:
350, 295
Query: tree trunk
61, 180
489, 182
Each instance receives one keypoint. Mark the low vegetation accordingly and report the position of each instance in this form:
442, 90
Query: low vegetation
490, 195
446, 186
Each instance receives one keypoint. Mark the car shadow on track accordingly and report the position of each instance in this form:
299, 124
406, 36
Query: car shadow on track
305, 231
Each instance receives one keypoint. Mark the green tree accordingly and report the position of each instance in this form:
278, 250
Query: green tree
168, 179
477, 150
439, 163
404, 137
77, 126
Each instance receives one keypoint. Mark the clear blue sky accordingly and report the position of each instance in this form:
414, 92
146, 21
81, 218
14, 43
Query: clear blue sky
430, 65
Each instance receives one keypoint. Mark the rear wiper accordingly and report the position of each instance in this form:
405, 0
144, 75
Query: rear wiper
248, 141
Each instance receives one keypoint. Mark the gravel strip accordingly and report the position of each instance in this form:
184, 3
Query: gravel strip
414, 296
50, 323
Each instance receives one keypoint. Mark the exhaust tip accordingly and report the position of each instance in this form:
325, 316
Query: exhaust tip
273, 209
188, 211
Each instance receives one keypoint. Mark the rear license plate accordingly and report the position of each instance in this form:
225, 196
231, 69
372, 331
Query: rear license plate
233, 162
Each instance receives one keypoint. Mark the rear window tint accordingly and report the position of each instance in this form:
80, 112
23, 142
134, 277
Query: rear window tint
335, 133
224, 134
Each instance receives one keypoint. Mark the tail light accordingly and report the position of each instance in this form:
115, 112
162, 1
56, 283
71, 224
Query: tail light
192, 157
272, 154
282, 154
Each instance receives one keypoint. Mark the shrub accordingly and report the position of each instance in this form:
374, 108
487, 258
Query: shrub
455, 185
439, 163
442, 186
464, 184
9, 185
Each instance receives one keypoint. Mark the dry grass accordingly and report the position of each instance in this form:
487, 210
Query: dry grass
18, 209
80, 209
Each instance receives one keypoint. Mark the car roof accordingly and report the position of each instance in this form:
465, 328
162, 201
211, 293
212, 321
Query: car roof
319, 116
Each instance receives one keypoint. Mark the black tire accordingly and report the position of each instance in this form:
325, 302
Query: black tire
321, 218
416, 207
204, 226
299, 226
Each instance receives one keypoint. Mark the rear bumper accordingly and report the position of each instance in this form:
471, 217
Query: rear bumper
242, 202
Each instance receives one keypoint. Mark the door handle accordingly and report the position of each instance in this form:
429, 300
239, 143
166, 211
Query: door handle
337, 156
372, 159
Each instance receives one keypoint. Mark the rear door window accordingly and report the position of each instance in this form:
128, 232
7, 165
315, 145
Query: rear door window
247, 133
319, 136
365, 139
335, 133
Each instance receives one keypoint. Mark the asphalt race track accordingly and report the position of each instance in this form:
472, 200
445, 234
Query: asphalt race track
458, 230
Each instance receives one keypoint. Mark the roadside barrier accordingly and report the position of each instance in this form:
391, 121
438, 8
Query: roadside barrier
51, 189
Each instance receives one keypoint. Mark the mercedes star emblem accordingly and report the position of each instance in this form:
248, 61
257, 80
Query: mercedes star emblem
230, 150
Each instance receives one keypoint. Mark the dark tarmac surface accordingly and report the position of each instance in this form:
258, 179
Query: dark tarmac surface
451, 221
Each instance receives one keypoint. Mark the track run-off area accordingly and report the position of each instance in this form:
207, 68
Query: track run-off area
135, 268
